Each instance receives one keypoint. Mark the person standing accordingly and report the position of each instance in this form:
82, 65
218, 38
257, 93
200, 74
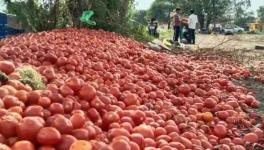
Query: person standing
192, 21
176, 24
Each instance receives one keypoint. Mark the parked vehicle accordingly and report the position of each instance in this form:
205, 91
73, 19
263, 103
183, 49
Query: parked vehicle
9, 25
232, 29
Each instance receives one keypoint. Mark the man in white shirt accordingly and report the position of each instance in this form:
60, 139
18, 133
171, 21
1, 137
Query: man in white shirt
192, 21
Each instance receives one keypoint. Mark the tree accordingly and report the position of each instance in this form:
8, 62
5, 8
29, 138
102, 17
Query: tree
42, 15
36, 16
261, 13
208, 11
140, 16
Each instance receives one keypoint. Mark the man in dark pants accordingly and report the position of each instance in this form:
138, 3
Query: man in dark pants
192, 21
176, 24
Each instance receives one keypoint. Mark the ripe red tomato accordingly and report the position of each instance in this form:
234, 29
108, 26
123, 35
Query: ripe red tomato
66, 142
10, 101
22, 145
44, 102
56, 108
81, 134
77, 120
109, 118
62, 124
87, 92
120, 145
34, 111
28, 128
8, 125
48, 136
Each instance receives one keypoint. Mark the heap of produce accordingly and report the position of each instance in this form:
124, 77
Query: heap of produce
101, 91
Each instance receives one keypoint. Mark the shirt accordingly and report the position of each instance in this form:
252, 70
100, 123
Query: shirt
193, 20
177, 20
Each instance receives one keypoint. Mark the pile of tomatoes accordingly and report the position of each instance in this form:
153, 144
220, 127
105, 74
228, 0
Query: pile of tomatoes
115, 94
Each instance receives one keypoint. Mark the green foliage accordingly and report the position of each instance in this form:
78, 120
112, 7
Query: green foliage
138, 32
31, 77
36, 16
140, 16
161, 9
261, 13
244, 18
208, 11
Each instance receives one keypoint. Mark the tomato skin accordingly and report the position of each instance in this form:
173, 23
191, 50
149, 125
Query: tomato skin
44, 102
33, 97
46, 148
28, 128
4, 147
62, 124
22, 145
81, 134
77, 120
87, 92
66, 142
109, 118
48, 136
8, 126
7, 67
56, 108
34, 111
120, 145
10, 101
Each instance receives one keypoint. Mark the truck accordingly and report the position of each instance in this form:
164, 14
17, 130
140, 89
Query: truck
9, 25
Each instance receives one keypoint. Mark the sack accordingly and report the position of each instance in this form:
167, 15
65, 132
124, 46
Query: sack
85, 18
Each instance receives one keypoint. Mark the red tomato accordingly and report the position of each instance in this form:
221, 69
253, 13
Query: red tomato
77, 120
11, 101
62, 124
48, 136
34, 111
66, 142
87, 92
44, 102
74, 83
220, 131
8, 125
145, 130
109, 118
81, 134
47, 148
29, 127
120, 145
4, 147
7, 67
56, 108
33, 97
22, 145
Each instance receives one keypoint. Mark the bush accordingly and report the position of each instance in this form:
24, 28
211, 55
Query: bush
139, 33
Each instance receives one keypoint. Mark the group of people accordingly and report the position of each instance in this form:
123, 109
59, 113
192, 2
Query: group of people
184, 28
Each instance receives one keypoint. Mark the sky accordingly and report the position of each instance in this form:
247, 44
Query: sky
145, 4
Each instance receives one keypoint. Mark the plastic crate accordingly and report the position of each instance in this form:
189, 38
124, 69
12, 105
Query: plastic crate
3, 18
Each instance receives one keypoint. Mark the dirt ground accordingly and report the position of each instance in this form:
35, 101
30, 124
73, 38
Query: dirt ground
240, 41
